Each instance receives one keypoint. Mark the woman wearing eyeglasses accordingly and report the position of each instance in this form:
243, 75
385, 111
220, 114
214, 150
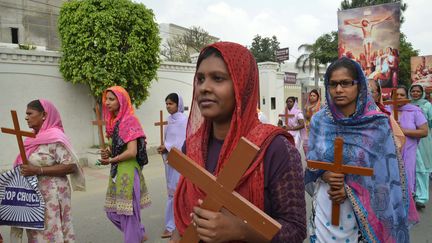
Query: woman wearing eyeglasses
372, 209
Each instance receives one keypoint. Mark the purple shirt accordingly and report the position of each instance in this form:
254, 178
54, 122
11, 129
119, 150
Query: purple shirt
411, 118
284, 198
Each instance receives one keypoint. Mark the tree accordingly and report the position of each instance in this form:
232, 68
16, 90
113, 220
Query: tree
320, 52
179, 48
264, 49
308, 60
109, 42
326, 48
197, 38
406, 51
175, 50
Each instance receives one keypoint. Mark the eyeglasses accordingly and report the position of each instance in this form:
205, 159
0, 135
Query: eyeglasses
343, 83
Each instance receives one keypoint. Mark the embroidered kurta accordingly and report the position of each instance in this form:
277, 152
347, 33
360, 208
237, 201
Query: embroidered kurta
119, 196
56, 192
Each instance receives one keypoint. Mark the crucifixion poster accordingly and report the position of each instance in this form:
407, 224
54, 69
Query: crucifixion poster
370, 36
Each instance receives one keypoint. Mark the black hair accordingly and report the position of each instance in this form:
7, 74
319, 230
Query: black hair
292, 98
208, 52
343, 62
401, 86
315, 91
173, 97
417, 85
35, 105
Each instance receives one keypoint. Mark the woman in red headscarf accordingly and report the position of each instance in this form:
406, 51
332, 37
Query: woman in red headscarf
223, 110
127, 191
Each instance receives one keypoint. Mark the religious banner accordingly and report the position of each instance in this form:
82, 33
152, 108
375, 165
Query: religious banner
370, 36
421, 71
21, 203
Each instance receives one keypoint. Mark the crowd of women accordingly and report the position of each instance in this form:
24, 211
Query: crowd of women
380, 208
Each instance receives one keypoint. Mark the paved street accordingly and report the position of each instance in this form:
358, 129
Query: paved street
91, 225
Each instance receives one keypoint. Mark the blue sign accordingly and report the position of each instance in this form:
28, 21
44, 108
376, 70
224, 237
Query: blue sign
21, 203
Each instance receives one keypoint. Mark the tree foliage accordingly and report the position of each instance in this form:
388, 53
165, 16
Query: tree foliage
179, 48
197, 38
325, 46
109, 42
406, 51
308, 60
264, 49
322, 51
175, 50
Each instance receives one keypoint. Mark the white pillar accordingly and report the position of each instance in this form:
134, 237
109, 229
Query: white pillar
271, 88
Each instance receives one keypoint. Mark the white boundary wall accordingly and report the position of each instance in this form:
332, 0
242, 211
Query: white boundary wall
29, 75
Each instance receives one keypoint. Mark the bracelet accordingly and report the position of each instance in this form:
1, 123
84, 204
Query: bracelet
41, 170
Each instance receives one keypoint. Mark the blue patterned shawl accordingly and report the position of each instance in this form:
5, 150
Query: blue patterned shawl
381, 202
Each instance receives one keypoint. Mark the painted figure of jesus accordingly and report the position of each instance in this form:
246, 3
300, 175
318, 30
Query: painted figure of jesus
366, 25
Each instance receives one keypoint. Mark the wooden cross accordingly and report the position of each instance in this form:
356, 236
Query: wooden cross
220, 191
19, 134
100, 123
161, 123
338, 167
395, 102
286, 116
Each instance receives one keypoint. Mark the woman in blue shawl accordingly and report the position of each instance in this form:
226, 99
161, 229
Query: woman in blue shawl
376, 208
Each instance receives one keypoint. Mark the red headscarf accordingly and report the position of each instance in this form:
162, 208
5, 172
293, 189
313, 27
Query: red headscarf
243, 70
129, 127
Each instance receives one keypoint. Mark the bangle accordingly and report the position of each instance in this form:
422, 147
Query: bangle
41, 170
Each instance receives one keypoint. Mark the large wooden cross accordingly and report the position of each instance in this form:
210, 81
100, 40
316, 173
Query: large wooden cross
220, 191
19, 134
100, 123
395, 102
161, 123
338, 167
286, 116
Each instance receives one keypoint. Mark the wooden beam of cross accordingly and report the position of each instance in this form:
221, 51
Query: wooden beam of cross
395, 102
286, 116
100, 123
161, 123
220, 190
338, 167
19, 134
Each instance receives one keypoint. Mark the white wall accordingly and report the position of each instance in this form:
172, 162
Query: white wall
172, 78
271, 85
29, 75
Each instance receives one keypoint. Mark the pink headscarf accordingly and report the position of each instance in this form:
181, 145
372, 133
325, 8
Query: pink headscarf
292, 121
129, 127
51, 132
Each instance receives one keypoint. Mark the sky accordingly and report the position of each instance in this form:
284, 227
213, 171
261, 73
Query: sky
292, 22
